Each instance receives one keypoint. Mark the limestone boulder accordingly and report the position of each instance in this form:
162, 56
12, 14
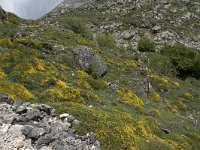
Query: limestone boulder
85, 58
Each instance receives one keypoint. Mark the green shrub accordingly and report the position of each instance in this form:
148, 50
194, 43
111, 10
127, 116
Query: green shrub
106, 40
146, 45
97, 84
29, 43
161, 64
193, 81
5, 42
186, 60
8, 30
78, 26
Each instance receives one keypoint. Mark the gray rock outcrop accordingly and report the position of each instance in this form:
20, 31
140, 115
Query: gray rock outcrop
87, 59
26, 126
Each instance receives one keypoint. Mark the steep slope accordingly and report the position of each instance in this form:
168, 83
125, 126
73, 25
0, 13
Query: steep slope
149, 96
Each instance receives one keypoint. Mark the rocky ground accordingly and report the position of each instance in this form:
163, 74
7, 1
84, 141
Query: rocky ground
161, 21
26, 126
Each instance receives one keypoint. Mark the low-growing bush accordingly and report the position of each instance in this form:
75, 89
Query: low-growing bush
161, 64
97, 84
106, 40
5, 42
146, 45
29, 43
54, 94
130, 98
15, 91
78, 26
185, 60
153, 96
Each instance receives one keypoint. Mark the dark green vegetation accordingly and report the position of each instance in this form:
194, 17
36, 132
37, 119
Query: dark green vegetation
77, 25
176, 60
146, 45
106, 41
185, 60
31, 70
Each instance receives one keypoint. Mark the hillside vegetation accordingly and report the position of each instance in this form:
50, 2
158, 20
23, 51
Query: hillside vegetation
148, 98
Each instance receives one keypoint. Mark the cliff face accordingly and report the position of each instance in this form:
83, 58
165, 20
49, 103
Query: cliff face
128, 70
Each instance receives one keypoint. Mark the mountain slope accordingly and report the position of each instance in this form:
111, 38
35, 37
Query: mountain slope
148, 99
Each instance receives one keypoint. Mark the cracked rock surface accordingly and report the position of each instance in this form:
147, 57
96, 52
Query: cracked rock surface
26, 126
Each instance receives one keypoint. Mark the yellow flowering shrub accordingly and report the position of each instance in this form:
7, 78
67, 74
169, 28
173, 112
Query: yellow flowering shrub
61, 84
153, 96
187, 96
113, 126
127, 62
81, 41
46, 80
79, 74
26, 68
130, 63
84, 84
39, 64
98, 50
110, 61
7, 22
179, 105
5, 42
31, 68
55, 94
164, 82
155, 112
61, 66
143, 129
70, 32
176, 84
130, 98
16, 91
29, 42
129, 129
89, 96
2, 74
97, 84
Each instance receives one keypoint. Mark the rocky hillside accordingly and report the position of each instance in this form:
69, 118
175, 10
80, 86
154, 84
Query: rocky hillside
164, 21
127, 70
71, 4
